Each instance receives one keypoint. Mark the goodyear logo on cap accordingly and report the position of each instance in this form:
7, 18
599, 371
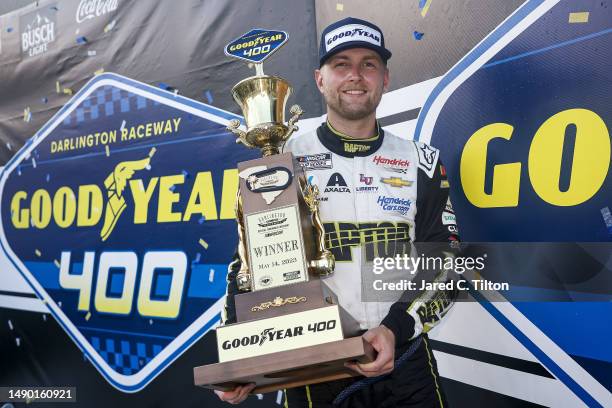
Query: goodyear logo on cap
113, 213
256, 45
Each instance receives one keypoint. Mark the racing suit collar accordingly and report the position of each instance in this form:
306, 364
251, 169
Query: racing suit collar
348, 147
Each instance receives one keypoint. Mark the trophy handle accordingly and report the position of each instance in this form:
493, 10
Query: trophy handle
324, 262
243, 278
241, 135
296, 111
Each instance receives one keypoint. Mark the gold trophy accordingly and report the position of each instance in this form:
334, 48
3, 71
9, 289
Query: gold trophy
290, 330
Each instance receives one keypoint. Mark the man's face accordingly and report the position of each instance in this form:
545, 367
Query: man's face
352, 82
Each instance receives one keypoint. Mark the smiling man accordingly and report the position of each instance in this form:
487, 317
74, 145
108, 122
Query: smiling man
379, 193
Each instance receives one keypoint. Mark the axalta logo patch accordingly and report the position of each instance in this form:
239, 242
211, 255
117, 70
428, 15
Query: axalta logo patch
114, 233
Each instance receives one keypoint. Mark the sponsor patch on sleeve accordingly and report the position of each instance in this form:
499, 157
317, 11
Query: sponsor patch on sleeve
428, 157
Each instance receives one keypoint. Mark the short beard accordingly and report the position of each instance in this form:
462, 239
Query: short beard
350, 114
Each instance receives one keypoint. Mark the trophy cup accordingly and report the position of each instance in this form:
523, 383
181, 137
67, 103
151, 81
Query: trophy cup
290, 329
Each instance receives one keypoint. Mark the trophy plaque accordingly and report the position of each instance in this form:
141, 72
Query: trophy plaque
290, 329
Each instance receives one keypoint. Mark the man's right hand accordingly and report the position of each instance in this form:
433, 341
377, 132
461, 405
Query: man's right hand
237, 395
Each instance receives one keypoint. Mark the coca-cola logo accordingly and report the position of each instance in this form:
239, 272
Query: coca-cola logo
89, 9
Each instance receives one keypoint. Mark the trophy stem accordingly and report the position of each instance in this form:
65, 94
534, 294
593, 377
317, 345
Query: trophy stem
269, 150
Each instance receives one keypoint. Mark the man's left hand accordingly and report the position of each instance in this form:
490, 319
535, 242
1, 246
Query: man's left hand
383, 341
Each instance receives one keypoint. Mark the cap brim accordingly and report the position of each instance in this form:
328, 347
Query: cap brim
384, 53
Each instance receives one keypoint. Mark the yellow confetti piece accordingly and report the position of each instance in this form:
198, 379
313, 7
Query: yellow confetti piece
425, 8
58, 88
56, 262
339, 7
100, 71
37, 252
581, 17
107, 151
152, 152
67, 91
88, 316
203, 243
27, 115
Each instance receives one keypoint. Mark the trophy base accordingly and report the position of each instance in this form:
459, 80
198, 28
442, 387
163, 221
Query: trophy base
287, 369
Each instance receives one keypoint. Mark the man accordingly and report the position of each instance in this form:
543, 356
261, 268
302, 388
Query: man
377, 191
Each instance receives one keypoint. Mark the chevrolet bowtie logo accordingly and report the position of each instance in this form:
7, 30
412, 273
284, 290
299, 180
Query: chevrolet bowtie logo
396, 182
115, 184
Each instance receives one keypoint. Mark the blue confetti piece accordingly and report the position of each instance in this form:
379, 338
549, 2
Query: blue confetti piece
164, 86
44, 99
172, 188
422, 3
9, 29
81, 40
607, 217
417, 35
208, 96
202, 220
48, 177
197, 258
185, 173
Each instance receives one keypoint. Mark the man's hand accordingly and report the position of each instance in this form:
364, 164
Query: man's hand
237, 395
383, 341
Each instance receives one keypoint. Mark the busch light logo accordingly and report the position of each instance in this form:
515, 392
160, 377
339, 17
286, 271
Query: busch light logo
37, 32
89, 9
130, 255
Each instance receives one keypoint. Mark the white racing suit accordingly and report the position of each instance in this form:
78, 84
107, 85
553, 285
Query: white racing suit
377, 196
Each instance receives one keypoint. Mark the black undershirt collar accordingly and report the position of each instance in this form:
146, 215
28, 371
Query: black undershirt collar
349, 147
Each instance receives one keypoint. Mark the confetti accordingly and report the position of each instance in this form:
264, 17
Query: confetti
122, 125
279, 397
19, 170
150, 321
175, 92
78, 30
164, 85
211, 275
339, 7
10, 325
48, 177
607, 216
58, 88
67, 91
152, 152
27, 114
148, 167
172, 188
185, 173
582, 17
98, 72
18, 341
202, 220
9, 29
208, 96
106, 148
8, 146
44, 99
59, 304
417, 35
44, 317
203, 243
57, 264
197, 258
92, 53
424, 7
88, 316
81, 40
110, 26
33, 162
37, 252
259, 396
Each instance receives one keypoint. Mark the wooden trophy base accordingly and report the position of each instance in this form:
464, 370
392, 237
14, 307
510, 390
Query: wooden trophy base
287, 369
